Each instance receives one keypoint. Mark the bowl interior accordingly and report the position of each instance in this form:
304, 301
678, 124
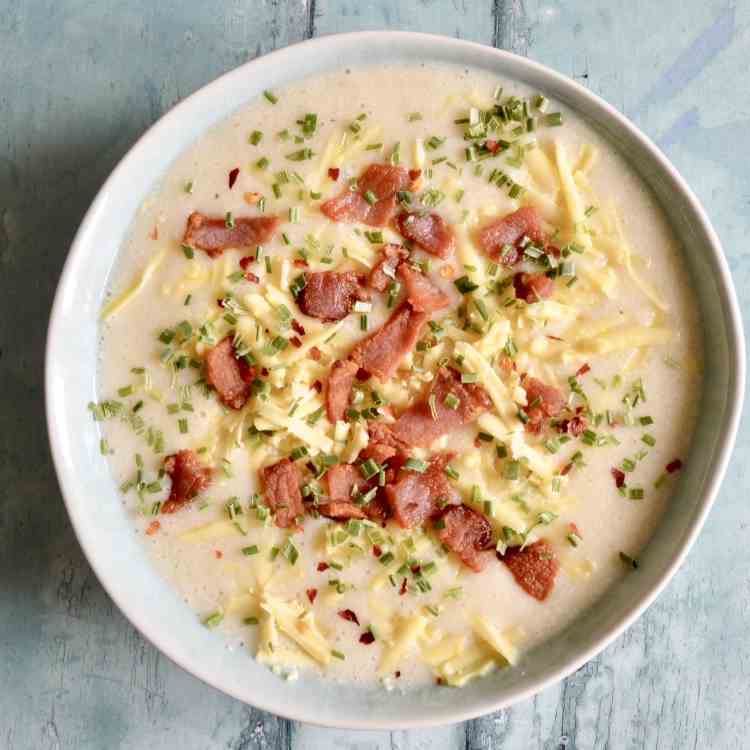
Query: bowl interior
93, 501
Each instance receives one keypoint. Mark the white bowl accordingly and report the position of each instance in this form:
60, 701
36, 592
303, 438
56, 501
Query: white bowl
93, 502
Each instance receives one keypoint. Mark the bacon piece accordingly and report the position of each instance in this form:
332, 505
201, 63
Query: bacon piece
544, 401
311, 595
414, 497
339, 387
231, 377
383, 445
534, 567
468, 534
189, 478
282, 494
583, 369
510, 230
383, 181
382, 351
330, 295
429, 231
214, 236
384, 272
532, 287
421, 293
341, 511
342, 479
417, 427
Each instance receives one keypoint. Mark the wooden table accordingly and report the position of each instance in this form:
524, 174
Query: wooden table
79, 82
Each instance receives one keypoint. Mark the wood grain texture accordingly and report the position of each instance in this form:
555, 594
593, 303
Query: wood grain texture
80, 82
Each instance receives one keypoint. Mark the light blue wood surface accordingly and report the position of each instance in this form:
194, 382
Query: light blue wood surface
79, 81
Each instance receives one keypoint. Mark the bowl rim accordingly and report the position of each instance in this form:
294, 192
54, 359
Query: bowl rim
715, 472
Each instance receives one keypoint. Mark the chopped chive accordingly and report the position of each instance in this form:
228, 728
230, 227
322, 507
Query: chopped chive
189, 187
631, 562
229, 220
183, 425
650, 440
250, 621
213, 619
251, 550
553, 119
414, 116
126, 391
573, 539
636, 493
512, 470
188, 251
416, 464
386, 559
465, 285
262, 163
337, 654
370, 197
270, 96
452, 401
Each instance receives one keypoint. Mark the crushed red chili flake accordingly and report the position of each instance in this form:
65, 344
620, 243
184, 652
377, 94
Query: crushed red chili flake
416, 569
294, 341
350, 615
674, 466
619, 477
402, 590
583, 369
323, 566
311, 594
492, 146
154, 234
314, 353
333, 173
573, 528
566, 469
233, 174
153, 527
397, 674
376, 550
317, 385
246, 261
367, 638
297, 327
299, 263
554, 338
220, 302
264, 372
477, 443
415, 174
251, 277
439, 681
218, 554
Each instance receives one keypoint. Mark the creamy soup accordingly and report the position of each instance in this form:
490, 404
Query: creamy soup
398, 369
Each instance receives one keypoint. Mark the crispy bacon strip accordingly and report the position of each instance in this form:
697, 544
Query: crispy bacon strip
384, 272
429, 231
282, 492
214, 236
330, 295
232, 378
382, 351
508, 232
534, 567
339, 387
189, 478
421, 292
373, 201
418, 426
543, 402
468, 534
416, 497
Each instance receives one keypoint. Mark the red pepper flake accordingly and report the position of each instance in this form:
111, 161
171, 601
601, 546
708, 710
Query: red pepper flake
348, 614
583, 369
220, 302
363, 375
415, 174
477, 443
416, 569
218, 554
575, 427
367, 638
397, 674
294, 341
323, 566
439, 681
553, 250
300, 263
333, 173
251, 277
153, 527
674, 466
311, 594
317, 385
233, 174
566, 469
376, 550
619, 477
297, 327
573, 529
246, 261
264, 372
492, 146
554, 338
402, 590
314, 353
154, 233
